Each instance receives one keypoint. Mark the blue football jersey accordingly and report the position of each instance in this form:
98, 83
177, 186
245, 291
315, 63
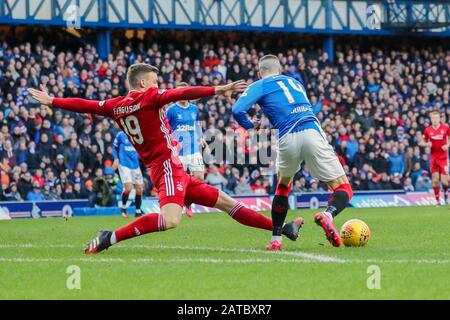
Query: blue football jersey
125, 151
186, 127
284, 102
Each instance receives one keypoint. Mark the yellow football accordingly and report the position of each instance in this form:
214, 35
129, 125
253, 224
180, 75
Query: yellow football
355, 233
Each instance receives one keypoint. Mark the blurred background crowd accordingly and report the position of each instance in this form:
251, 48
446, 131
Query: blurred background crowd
373, 103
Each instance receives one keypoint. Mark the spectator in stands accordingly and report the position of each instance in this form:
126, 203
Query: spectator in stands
232, 176
373, 102
25, 185
423, 182
215, 178
11, 193
396, 161
50, 193
69, 193
408, 187
299, 185
35, 194
102, 194
415, 173
59, 165
258, 187
243, 187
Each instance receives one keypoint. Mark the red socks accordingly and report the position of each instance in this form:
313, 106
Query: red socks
339, 199
147, 223
283, 190
436, 193
347, 188
250, 218
156, 222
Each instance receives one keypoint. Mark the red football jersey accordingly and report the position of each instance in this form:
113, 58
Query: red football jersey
438, 138
142, 117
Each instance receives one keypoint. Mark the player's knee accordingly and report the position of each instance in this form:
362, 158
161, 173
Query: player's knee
172, 215
139, 189
127, 187
172, 221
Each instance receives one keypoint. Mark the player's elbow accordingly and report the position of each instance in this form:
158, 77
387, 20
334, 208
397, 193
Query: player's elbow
239, 116
236, 113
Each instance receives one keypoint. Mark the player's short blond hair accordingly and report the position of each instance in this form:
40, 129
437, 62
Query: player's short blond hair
269, 64
136, 71
435, 113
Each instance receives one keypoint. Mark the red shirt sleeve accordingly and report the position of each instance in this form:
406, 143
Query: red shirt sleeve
159, 98
102, 108
426, 135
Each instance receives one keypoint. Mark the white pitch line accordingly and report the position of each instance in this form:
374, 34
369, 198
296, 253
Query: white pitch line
151, 260
275, 256
304, 255
209, 260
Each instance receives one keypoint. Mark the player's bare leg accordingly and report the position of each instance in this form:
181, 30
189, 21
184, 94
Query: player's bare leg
251, 218
342, 194
125, 194
444, 182
138, 200
169, 218
280, 207
437, 190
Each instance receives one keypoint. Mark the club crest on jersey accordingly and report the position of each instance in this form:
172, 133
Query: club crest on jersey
179, 186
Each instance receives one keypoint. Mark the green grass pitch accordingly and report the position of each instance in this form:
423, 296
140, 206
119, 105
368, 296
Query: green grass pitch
212, 257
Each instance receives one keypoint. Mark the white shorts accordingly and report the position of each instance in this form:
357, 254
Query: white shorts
193, 162
311, 147
133, 176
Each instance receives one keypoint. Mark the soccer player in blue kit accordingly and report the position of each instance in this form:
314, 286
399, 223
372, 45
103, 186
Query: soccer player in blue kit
126, 159
183, 117
300, 139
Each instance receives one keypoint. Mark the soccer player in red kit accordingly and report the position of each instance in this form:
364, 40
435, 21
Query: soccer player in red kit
141, 116
436, 137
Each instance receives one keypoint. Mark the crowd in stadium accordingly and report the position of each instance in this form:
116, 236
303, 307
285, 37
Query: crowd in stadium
373, 104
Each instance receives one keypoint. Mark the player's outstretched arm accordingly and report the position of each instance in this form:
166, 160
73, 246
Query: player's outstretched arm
233, 87
244, 103
192, 93
70, 104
